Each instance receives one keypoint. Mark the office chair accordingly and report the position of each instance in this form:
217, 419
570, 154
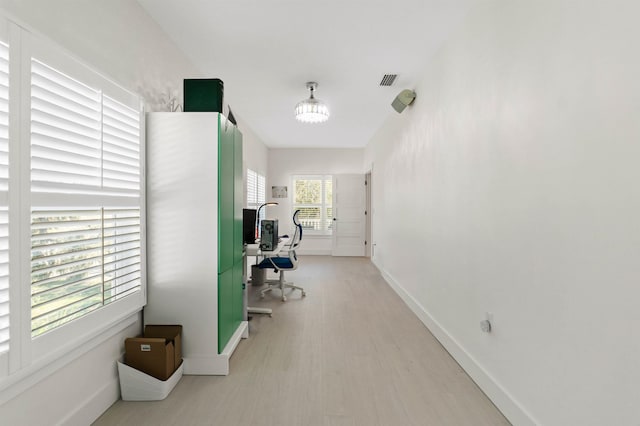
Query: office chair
284, 263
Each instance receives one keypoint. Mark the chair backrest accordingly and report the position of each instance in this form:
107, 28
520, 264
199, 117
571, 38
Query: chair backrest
295, 241
297, 235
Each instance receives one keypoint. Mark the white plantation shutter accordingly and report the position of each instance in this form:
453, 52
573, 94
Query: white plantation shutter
66, 267
261, 190
122, 256
4, 279
121, 138
4, 211
312, 195
81, 260
84, 254
65, 132
252, 188
4, 117
255, 191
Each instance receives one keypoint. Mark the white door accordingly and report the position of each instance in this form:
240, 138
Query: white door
348, 215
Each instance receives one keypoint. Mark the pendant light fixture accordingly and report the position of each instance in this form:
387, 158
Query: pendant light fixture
312, 110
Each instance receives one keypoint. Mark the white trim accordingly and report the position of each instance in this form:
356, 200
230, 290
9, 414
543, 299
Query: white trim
22, 380
15, 111
75, 333
217, 364
88, 411
501, 398
143, 201
312, 252
23, 189
55, 56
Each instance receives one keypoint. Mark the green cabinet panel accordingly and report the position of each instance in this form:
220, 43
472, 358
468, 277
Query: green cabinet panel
237, 294
238, 197
226, 193
230, 202
226, 324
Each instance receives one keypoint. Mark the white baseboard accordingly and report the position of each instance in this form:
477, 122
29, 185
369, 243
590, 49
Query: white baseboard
501, 398
94, 406
217, 364
313, 252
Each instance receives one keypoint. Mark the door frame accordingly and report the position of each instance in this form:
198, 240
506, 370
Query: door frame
368, 248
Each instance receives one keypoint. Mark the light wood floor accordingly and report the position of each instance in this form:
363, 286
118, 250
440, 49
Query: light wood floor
349, 353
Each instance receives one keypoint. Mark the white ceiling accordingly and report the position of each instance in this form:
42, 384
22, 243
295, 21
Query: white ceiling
266, 50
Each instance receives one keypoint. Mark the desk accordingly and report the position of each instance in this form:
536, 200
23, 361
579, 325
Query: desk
254, 250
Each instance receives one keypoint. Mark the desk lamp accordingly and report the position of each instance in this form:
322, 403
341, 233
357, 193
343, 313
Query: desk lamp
258, 216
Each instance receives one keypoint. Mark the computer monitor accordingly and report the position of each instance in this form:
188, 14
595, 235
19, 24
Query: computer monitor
249, 226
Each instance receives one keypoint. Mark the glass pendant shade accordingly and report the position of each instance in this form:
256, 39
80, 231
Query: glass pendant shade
312, 110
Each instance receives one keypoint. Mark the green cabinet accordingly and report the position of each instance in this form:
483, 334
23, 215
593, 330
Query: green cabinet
230, 190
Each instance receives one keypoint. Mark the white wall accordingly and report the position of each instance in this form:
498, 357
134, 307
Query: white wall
75, 393
119, 40
511, 186
283, 163
255, 154
116, 38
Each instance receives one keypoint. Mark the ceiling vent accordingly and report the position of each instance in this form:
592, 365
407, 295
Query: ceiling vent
388, 79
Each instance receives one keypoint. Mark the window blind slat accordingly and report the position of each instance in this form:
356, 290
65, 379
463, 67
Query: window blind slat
120, 111
48, 93
52, 113
121, 148
61, 139
125, 119
55, 77
113, 159
60, 285
133, 258
121, 131
65, 143
54, 156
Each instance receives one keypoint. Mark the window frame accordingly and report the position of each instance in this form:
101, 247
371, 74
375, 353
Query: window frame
323, 205
28, 356
107, 315
6, 357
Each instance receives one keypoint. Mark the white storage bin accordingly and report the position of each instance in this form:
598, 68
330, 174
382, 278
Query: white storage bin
138, 386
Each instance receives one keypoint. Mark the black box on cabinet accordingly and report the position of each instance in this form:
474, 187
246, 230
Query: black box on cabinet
203, 95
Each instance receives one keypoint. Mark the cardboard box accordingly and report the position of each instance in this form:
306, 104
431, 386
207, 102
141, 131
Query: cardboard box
157, 353
169, 332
